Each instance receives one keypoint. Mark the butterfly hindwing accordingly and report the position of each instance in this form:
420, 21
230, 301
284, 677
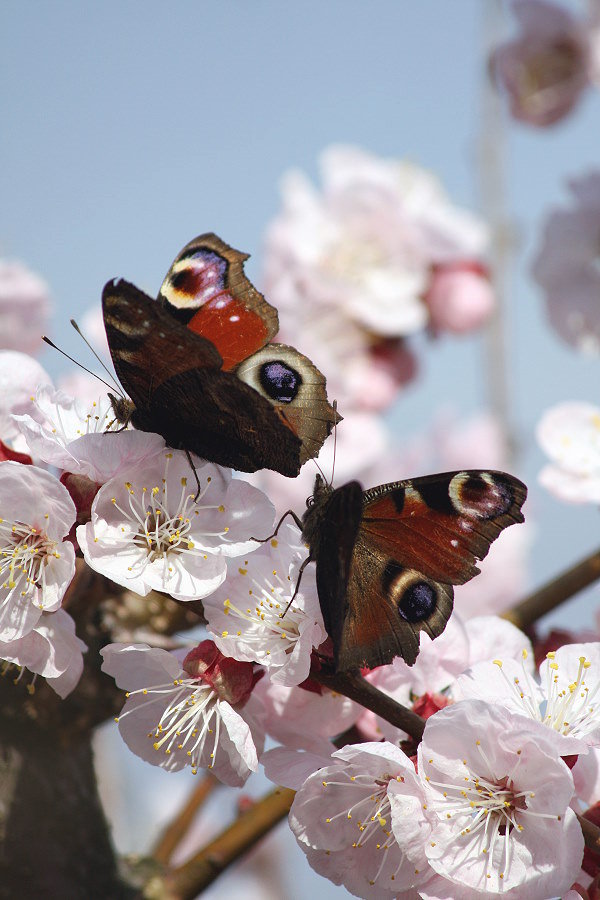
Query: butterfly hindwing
388, 604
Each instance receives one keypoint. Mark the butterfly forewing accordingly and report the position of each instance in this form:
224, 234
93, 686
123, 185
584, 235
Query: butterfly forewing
138, 331
441, 524
206, 289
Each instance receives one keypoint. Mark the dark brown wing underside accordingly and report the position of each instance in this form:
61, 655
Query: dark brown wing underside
148, 346
218, 417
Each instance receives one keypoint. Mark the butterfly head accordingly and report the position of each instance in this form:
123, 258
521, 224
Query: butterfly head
123, 409
315, 505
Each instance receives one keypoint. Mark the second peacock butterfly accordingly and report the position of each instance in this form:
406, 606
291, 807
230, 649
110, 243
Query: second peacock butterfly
387, 558
200, 368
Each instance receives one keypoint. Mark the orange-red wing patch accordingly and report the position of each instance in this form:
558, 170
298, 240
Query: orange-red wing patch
440, 525
236, 331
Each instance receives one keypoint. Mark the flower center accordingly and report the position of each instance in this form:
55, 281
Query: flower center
484, 811
370, 814
350, 259
163, 522
268, 612
24, 554
184, 725
570, 710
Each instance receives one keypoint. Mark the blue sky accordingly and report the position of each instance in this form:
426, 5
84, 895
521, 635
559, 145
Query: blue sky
131, 127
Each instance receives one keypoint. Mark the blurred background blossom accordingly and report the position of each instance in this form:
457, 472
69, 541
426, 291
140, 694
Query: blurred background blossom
377, 255
25, 308
567, 265
546, 68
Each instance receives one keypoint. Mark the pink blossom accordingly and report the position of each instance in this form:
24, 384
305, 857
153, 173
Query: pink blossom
20, 376
252, 616
199, 713
349, 267
24, 308
154, 531
36, 563
51, 649
566, 266
66, 432
564, 698
499, 797
570, 435
296, 716
291, 767
440, 663
361, 823
460, 297
546, 68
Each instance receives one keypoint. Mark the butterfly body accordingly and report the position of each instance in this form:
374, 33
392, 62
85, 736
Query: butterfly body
201, 371
387, 558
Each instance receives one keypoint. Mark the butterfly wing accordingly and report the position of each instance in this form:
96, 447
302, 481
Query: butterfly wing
441, 524
206, 289
416, 539
330, 526
147, 345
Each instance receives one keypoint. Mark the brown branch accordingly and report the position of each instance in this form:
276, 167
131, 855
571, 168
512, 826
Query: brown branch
361, 691
189, 879
591, 834
176, 830
555, 592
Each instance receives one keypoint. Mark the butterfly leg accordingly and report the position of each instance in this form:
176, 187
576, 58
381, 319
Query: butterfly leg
290, 512
191, 462
297, 588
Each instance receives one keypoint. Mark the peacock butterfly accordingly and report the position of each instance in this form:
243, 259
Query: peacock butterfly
387, 558
200, 368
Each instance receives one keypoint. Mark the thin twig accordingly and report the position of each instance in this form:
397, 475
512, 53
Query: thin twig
189, 879
555, 592
358, 689
180, 824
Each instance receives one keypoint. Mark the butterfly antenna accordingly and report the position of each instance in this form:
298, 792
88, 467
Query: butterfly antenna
98, 357
321, 472
335, 421
77, 363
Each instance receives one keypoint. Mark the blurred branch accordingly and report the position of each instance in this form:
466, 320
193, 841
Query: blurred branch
188, 880
493, 190
361, 691
555, 592
179, 826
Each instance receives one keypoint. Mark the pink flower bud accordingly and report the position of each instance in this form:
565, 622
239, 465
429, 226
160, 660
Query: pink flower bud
460, 297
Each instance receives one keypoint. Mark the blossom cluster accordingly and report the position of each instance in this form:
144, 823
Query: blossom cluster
507, 758
379, 254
